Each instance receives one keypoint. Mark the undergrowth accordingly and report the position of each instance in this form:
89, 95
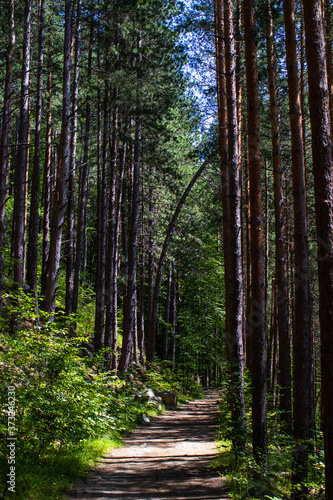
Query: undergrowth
69, 410
271, 481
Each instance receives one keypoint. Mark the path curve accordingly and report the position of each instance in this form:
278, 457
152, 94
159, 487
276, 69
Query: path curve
167, 459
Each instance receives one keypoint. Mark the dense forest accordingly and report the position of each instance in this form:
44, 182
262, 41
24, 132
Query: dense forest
166, 211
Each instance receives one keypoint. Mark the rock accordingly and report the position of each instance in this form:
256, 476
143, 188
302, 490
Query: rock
149, 393
156, 401
169, 398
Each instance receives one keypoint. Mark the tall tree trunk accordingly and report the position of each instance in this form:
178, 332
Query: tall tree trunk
280, 251
4, 149
223, 133
46, 201
167, 316
257, 317
76, 37
114, 318
234, 312
129, 309
99, 339
83, 189
151, 262
329, 62
173, 316
248, 334
111, 299
60, 195
22, 157
302, 345
323, 182
141, 311
34, 203
151, 341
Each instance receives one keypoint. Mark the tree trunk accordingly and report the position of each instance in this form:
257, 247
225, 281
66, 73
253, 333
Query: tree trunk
47, 181
257, 317
302, 355
99, 339
83, 189
280, 251
129, 309
60, 195
22, 157
323, 182
4, 149
76, 37
329, 62
167, 316
151, 341
111, 298
234, 289
173, 316
34, 203
114, 319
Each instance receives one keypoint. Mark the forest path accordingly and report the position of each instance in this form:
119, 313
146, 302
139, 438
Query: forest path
167, 459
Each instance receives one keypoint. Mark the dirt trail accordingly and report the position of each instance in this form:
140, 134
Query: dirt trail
167, 458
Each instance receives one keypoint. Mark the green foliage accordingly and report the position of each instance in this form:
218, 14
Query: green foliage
272, 480
68, 409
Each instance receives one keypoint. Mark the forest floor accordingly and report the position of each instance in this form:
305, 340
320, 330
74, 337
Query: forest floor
168, 458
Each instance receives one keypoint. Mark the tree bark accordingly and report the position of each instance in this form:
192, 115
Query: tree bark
4, 147
83, 188
22, 157
323, 182
302, 344
60, 195
76, 37
280, 251
99, 339
329, 62
234, 289
46, 199
257, 318
114, 319
34, 203
165, 347
151, 341
130, 298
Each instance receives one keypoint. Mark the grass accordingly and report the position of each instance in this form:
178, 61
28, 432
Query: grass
48, 475
51, 476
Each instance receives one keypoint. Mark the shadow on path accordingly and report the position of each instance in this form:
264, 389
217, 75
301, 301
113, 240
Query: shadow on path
168, 458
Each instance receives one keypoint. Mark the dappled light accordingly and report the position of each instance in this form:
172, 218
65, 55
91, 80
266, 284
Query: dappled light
170, 457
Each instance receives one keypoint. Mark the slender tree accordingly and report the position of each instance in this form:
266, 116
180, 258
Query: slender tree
35, 186
234, 289
257, 307
47, 195
130, 298
101, 213
70, 245
112, 244
60, 195
280, 251
83, 183
302, 338
22, 157
323, 178
4, 149
151, 340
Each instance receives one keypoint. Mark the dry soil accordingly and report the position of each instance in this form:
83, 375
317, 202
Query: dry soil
168, 458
